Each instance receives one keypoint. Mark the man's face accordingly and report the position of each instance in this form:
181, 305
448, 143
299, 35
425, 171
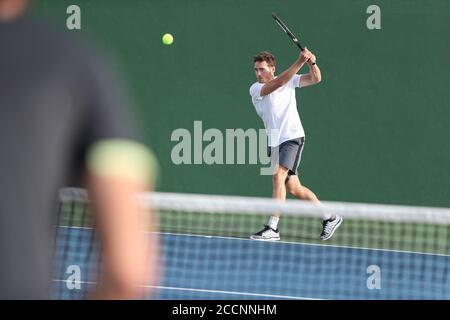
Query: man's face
263, 72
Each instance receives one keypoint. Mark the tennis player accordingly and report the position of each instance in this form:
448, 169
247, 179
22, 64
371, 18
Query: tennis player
275, 102
64, 119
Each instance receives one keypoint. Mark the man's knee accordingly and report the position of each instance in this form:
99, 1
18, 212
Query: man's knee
279, 177
293, 186
290, 187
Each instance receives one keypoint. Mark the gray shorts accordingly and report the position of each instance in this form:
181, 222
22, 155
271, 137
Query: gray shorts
290, 154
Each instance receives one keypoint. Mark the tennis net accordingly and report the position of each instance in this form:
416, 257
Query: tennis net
379, 252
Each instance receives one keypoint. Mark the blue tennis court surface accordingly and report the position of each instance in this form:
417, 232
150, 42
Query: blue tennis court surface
207, 267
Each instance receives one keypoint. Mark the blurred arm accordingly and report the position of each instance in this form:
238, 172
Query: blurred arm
117, 174
12, 9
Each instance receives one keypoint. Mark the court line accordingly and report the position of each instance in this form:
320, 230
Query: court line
235, 293
308, 244
286, 242
206, 291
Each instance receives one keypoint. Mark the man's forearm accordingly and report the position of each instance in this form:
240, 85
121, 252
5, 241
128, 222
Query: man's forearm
291, 71
287, 75
314, 71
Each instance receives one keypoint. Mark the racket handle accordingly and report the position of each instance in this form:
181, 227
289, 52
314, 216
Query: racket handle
301, 49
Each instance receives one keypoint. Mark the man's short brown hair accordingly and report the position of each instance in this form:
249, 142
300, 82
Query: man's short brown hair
265, 56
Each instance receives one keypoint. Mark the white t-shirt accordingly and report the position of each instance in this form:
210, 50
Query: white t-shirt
278, 111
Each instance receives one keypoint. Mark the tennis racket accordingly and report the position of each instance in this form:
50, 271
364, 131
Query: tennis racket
288, 32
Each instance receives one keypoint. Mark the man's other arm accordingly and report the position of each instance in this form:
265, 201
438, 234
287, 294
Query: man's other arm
314, 76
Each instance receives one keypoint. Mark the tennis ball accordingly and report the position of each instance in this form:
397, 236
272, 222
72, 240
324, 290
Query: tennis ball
167, 39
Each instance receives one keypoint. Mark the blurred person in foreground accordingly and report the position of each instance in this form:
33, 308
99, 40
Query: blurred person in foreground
62, 116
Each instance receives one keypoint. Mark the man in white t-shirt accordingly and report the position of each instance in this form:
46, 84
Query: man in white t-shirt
274, 101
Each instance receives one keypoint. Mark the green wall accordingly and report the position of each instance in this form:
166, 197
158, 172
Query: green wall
377, 125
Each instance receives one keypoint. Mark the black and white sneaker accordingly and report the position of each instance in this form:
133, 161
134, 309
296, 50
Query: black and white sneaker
329, 226
267, 234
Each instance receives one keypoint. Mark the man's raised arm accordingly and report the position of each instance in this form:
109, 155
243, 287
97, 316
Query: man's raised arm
287, 75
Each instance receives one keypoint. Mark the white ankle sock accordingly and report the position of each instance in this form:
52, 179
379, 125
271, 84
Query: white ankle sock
273, 222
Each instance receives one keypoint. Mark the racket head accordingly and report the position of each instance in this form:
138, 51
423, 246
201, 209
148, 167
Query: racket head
286, 30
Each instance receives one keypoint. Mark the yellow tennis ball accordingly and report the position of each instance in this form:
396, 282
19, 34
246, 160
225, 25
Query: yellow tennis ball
167, 39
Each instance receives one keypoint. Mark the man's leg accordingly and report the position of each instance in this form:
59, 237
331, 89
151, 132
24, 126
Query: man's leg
294, 187
279, 186
330, 222
278, 193
270, 231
